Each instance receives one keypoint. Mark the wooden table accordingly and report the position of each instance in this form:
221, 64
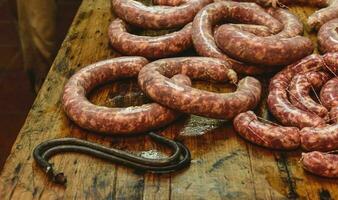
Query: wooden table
224, 166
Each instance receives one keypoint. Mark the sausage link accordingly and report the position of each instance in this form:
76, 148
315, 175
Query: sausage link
283, 48
213, 14
269, 51
334, 114
264, 134
169, 2
320, 17
321, 164
328, 37
324, 138
331, 62
329, 93
112, 120
278, 101
157, 17
299, 92
147, 46
275, 3
154, 82
251, 28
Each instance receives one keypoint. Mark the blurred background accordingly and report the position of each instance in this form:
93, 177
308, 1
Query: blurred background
20, 74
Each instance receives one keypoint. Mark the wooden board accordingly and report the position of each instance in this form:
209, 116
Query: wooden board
224, 166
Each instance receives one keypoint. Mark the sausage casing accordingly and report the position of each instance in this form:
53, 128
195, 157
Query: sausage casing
157, 17
264, 134
321, 164
320, 17
147, 46
278, 100
328, 37
212, 14
154, 82
299, 92
112, 120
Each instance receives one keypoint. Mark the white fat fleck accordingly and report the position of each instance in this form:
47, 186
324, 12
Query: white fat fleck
176, 87
134, 109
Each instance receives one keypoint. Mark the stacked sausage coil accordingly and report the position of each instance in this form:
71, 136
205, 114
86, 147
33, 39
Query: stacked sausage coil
307, 123
244, 51
136, 14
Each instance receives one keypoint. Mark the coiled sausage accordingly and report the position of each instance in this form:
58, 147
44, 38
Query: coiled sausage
329, 93
212, 14
264, 134
113, 120
278, 101
275, 3
299, 92
147, 46
154, 82
320, 17
270, 51
157, 17
328, 37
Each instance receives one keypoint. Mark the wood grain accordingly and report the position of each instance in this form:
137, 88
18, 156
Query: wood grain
224, 166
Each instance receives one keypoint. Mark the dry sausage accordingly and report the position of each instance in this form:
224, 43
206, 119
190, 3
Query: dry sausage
264, 134
299, 92
328, 37
322, 164
154, 82
147, 46
157, 17
320, 17
213, 14
112, 120
278, 101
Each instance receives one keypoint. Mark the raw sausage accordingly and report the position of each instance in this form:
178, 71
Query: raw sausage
157, 17
278, 101
320, 17
334, 114
264, 134
299, 92
154, 82
282, 3
329, 93
283, 48
112, 120
169, 2
328, 37
269, 51
331, 63
213, 14
324, 138
251, 28
147, 46
322, 164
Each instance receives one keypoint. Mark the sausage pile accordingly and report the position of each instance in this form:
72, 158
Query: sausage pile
233, 37
305, 122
